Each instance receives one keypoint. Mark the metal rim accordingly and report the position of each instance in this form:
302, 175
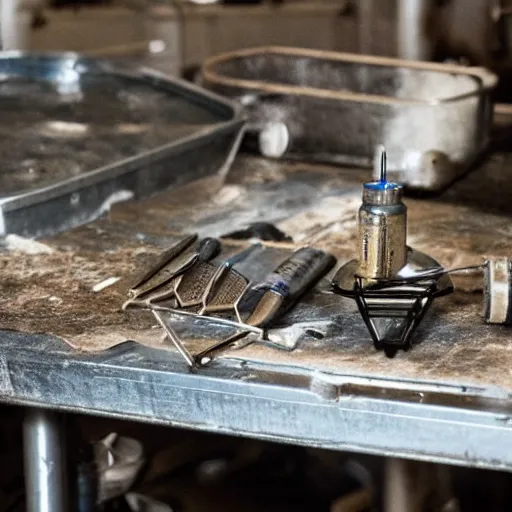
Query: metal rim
485, 80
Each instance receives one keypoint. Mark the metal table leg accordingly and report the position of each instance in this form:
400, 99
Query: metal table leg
15, 19
45, 471
413, 486
413, 41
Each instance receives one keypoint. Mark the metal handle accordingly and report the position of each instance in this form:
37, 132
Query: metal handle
300, 271
208, 249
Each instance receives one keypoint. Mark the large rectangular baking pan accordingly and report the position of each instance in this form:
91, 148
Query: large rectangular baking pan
77, 135
434, 119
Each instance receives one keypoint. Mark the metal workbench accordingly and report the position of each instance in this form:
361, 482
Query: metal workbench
448, 399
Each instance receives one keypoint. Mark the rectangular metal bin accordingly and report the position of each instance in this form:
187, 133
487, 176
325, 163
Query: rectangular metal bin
78, 135
434, 119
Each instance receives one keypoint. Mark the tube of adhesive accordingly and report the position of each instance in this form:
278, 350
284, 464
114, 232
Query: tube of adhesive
279, 291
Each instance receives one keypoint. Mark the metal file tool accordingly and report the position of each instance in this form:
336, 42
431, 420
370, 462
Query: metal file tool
172, 264
206, 287
192, 285
203, 285
163, 260
227, 286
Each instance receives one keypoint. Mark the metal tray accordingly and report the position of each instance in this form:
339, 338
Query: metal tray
77, 135
434, 119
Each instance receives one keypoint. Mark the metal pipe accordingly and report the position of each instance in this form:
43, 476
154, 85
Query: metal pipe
413, 486
15, 19
45, 472
413, 41
401, 491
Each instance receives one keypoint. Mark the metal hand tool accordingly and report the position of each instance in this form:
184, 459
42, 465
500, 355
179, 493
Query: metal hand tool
392, 308
207, 249
226, 286
201, 284
191, 287
207, 285
219, 289
497, 277
165, 258
180, 347
192, 362
290, 280
410, 276
225, 289
186, 290
276, 294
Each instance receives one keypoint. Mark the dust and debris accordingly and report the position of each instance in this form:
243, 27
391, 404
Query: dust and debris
329, 215
116, 197
20, 244
228, 194
54, 292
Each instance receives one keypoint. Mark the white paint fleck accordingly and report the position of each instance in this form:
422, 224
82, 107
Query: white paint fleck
98, 287
116, 197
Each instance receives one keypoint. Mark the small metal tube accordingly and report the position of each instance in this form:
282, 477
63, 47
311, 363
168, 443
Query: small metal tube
45, 472
382, 231
498, 291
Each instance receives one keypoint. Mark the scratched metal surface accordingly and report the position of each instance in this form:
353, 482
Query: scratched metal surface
97, 121
52, 292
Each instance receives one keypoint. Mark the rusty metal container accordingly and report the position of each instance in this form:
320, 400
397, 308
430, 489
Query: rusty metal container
433, 119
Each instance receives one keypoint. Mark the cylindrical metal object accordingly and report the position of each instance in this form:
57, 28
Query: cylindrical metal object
45, 472
498, 291
87, 491
15, 20
274, 140
271, 139
382, 231
414, 42
413, 486
400, 491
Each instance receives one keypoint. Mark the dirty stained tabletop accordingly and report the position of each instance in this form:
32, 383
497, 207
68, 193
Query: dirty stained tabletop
47, 286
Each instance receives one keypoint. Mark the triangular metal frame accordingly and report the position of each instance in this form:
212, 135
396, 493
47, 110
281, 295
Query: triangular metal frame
422, 294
